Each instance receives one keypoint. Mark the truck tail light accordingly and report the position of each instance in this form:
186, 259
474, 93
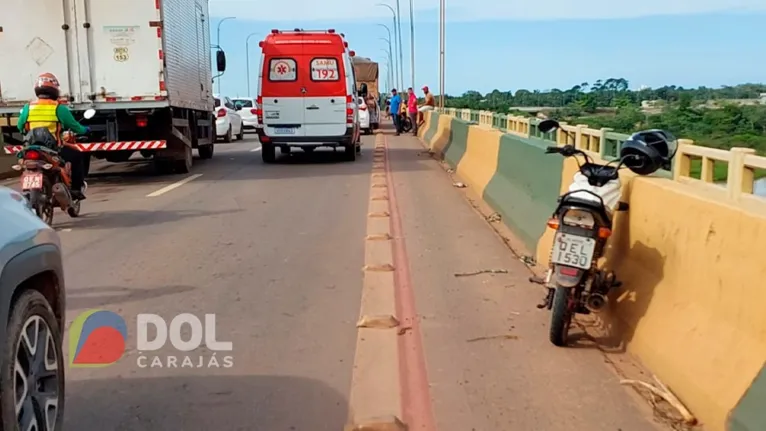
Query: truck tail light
141, 121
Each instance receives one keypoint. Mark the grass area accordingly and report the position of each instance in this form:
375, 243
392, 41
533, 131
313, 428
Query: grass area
720, 171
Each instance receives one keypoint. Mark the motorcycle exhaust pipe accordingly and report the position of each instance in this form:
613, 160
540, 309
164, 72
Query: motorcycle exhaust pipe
596, 302
62, 195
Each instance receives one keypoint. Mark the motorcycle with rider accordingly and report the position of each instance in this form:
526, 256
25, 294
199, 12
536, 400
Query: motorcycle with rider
53, 169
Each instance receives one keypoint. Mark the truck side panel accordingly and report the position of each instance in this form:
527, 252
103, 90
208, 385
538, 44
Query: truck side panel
32, 41
187, 53
124, 49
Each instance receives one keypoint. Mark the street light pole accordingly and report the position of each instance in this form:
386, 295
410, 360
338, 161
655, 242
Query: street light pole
247, 60
401, 48
218, 42
442, 43
391, 68
412, 43
396, 29
393, 83
389, 47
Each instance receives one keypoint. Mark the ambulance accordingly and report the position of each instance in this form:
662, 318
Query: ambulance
307, 95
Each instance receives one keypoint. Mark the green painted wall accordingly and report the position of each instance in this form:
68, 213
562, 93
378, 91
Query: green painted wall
525, 187
457, 142
432, 128
750, 413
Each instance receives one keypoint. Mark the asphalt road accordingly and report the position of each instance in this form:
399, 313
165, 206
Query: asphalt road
275, 252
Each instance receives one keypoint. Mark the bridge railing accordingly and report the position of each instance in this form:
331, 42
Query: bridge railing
692, 164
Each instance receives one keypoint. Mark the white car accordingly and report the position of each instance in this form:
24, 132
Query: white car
247, 109
364, 117
228, 122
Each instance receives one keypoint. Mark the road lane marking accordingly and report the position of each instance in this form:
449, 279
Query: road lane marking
255, 150
173, 186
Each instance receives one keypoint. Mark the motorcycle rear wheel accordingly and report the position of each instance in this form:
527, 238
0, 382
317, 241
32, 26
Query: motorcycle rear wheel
561, 316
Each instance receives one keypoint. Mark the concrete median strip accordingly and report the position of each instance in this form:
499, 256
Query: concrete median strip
376, 396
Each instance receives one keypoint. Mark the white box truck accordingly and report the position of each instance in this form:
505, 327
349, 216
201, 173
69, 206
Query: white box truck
144, 65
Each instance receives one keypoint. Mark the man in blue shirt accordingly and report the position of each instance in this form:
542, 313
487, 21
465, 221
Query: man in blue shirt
396, 106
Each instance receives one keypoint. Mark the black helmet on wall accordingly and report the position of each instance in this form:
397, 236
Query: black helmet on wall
648, 151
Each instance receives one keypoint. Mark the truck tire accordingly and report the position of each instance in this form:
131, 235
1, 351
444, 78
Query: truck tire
206, 151
184, 165
268, 153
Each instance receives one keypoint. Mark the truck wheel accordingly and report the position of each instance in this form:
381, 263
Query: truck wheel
184, 165
228, 137
206, 151
268, 153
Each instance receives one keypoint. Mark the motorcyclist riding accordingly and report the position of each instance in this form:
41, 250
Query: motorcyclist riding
46, 112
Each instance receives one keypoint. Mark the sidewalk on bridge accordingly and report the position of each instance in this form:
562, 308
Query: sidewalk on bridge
490, 365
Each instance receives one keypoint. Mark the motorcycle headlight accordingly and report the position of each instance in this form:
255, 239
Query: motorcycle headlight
580, 218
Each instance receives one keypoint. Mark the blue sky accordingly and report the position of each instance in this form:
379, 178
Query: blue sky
536, 52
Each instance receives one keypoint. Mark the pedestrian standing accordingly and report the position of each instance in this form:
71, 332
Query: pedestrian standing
412, 110
396, 103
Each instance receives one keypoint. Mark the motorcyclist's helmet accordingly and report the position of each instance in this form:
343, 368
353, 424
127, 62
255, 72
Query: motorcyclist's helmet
47, 86
648, 151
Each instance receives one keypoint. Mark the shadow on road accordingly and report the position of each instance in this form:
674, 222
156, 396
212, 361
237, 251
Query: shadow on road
204, 403
135, 218
96, 297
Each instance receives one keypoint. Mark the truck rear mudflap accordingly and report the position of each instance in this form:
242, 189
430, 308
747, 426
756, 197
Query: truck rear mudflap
105, 146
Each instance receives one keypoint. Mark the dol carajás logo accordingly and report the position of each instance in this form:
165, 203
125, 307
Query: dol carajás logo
97, 339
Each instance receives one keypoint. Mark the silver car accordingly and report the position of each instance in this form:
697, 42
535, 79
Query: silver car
32, 304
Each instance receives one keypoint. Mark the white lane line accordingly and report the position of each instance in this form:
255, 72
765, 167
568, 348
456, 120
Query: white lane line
255, 150
173, 186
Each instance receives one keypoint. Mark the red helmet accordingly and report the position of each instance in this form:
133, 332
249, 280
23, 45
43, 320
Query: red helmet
47, 85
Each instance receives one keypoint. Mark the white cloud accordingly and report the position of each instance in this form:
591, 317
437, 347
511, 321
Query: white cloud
472, 10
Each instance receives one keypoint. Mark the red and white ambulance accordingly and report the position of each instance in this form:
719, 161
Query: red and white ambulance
307, 93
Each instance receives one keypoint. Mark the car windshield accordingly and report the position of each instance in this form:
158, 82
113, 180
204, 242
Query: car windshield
217, 102
244, 103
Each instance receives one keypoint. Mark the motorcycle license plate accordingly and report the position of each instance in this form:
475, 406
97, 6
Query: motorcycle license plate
573, 250
32, 181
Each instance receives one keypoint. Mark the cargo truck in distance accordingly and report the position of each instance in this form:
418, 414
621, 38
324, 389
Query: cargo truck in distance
143, 65
366, 72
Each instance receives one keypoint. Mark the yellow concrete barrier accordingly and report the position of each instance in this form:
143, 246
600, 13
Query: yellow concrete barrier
441, 138
479, 163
